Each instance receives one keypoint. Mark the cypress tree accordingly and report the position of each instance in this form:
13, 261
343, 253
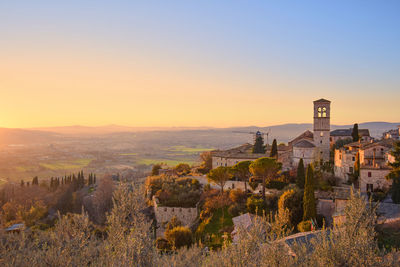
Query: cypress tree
301, 177
258, 146
22, 183
274, 149
94, 179
309, 206
394, 174
35, 181
355, 133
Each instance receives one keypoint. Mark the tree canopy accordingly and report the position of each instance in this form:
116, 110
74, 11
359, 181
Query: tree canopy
394, 174
220, 176
258, 146
355, 133
242, 171
300, 179
274, 149
265, 168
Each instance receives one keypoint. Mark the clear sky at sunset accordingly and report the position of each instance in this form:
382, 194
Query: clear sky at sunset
197, 63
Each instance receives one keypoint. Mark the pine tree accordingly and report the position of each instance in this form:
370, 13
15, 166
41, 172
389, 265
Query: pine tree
309, 206
355, 133
258, 146
274, 149
300, 179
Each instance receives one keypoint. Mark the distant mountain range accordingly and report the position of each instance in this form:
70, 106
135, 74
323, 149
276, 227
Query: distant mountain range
282, 133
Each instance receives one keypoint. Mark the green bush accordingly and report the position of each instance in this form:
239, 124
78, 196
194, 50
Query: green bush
325, 185
279, 185
236, 209
292, 200
304, 226
179, 237
378, 196
237, 196
163, 244
255, 205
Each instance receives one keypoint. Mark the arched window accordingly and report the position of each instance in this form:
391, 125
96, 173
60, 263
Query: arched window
324, 112
319, 112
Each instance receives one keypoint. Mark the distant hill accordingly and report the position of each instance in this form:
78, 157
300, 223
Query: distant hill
216, 137
107, 129
21, 136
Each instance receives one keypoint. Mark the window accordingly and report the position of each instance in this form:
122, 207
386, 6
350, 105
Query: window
319, 112
354, 159
321, 134
369, 174
351, 169
324, 112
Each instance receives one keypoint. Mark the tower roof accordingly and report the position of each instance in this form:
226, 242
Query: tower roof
322, 100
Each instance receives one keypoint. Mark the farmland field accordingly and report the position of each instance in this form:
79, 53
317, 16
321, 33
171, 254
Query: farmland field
66, 165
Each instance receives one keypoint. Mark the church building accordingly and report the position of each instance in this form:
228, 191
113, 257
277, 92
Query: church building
310, 146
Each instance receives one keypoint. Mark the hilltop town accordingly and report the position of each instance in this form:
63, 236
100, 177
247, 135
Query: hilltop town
257, 179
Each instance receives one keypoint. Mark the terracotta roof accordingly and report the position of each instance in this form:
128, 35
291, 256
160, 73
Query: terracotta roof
304, 144
308, 135
386, 143
241, 152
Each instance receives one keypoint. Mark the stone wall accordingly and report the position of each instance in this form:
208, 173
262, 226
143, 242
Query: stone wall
307, 154
164, 214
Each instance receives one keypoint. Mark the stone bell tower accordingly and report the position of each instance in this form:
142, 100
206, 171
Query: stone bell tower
322, 128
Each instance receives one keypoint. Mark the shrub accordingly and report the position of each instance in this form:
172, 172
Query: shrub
325, 185
378, 195
279, 185
174, 222
292, 201
237, 196
174, 192
207, 187
236, 209
304, 226
182, 169
163, 244
255, 205
179, 237
156, 169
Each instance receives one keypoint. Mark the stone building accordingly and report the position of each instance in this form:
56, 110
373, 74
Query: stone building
374, 158
344, 134
374, 177
345, 159
392, 134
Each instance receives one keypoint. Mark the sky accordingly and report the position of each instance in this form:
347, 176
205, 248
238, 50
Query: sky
197, 63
